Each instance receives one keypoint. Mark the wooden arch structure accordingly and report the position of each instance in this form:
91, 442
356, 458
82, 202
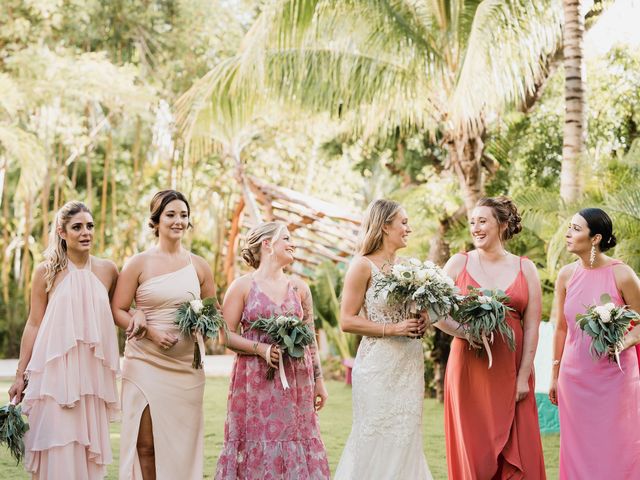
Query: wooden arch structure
321, 230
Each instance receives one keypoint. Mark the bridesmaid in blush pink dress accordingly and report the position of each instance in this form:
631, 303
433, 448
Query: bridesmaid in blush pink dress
270, 433
162, 433
599, 405
69, 353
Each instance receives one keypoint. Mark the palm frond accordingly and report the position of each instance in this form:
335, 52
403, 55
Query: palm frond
503, 58
24, 148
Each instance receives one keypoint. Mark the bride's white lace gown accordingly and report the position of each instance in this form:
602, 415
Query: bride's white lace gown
388, 393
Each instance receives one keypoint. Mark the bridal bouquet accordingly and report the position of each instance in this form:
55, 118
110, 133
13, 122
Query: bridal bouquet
12, 429
202, 319
482, 313
607, 325
419, 287
291, 334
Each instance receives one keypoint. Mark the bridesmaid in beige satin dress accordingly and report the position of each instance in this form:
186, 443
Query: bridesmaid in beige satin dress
162, 420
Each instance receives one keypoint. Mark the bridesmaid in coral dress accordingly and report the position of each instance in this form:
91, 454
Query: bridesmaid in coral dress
491, 419
162, 419
599, 405
69, 353
270, 433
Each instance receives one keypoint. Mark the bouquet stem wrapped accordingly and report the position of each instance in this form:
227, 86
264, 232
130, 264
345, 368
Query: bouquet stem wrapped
482, 313
607, 325
200, 319
12, 429
291, 334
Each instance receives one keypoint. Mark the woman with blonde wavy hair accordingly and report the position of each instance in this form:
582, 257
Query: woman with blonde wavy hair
271, 432
388, 372
69, 355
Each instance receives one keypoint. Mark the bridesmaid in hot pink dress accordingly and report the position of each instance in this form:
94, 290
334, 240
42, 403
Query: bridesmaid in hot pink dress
599, 405
69, 353
270, 433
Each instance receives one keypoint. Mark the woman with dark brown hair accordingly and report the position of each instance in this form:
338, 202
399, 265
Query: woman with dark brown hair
162, 425
491, 419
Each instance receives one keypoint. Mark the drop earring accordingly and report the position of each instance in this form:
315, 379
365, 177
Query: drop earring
592, 256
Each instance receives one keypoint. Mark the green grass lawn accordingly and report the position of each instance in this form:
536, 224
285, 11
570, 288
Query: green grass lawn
335, 421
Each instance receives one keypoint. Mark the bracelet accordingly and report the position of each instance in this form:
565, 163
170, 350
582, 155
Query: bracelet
384, 326
555, 363
319, 376
255, 348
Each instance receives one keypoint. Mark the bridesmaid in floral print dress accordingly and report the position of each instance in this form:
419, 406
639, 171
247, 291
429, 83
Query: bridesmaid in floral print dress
270, 433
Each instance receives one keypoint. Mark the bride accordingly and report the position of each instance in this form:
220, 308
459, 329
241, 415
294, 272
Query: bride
388, 372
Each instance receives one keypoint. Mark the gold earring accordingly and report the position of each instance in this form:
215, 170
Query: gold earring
592, 256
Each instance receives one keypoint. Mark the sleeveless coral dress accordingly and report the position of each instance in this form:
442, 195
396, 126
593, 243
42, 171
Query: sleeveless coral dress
72, 395
488, 434
165, 381
599, 405
271, 433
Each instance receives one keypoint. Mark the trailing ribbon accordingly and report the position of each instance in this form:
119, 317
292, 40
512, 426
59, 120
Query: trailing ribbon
616, 353
279, 367
283, 376
486, 342
200, 342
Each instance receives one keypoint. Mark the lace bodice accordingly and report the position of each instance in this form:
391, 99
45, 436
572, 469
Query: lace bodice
375, 301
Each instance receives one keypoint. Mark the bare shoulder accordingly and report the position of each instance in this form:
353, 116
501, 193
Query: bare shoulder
565, 274
241, 285
105, 264
201, 265
300, 285
136, 262
623, 272
529, 268
455, 264
40, 271
360, 265
199, 262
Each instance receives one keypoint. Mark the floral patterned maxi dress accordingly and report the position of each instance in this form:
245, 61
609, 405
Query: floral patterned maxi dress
271, 433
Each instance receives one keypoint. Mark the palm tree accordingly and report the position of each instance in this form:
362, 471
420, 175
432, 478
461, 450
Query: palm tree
574, 123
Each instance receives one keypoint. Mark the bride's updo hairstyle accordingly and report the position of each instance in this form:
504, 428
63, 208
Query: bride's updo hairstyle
506, 213
379, 213
253, 245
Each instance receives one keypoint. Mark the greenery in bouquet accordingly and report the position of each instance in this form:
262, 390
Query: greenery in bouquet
482, 314
607, 325
289, 332
12, 430
201, 319
419, 286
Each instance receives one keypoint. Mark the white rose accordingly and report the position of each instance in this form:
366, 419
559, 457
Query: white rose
415, 262
429, 264
484, 299
603, 313
609, 306
196, 305
422, 275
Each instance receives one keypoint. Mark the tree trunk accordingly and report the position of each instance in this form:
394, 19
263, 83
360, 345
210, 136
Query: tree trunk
105, 186
44, 207
465, 159
232, 242
6, 236
25, 270
574, 123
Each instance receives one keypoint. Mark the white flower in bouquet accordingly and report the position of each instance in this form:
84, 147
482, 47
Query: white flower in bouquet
604, 313
485, 299
430, 265
196, 305
414, 262
422, 275
610, 306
